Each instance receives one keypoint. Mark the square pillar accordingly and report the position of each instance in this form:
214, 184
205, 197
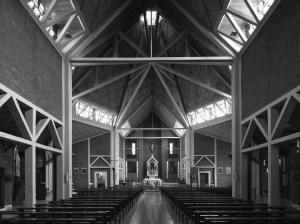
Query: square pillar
112, 158
117, 155
30, 176
239, 161
59, 177
273, 175
187, 150
67, 128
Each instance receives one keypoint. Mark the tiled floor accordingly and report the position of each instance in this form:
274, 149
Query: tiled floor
151, 208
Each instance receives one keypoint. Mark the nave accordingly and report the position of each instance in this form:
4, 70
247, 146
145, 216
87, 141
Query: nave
151, 208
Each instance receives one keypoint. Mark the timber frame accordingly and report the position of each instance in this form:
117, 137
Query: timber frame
271, 121
25, 116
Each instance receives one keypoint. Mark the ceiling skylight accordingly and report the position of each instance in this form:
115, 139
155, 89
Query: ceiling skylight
151, 18
240, 20
60, 19
210, 112
94, 113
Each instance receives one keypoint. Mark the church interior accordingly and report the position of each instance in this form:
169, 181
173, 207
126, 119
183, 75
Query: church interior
149, 111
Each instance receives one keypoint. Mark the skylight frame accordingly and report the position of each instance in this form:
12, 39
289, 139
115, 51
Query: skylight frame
210, 112
94, 113
65, 44
234, 14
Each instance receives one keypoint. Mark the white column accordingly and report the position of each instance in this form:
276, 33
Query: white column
59, 177
117, 155
112, 157
67, 130
216, 165
89, 162
239, 177
187, 150
273, 175
30, 176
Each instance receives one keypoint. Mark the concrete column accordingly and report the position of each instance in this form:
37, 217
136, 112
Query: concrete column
239, 176
117, 154
67, 130
273, 175
30, 176
187, 150
123, 174
112, 157
181, 175
59, 177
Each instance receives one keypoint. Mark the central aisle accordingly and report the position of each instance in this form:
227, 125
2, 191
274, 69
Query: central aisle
151, 208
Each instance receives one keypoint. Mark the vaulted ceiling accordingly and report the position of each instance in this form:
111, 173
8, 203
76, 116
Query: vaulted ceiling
171, 90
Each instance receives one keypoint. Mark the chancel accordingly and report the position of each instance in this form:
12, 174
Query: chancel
149, 111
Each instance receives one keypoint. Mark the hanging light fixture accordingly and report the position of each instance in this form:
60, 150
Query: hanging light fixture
151, 145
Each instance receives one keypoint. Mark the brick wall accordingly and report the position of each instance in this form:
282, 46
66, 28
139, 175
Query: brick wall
99, 145
29, 64
80, 160
270, 66
223, 160
204, 145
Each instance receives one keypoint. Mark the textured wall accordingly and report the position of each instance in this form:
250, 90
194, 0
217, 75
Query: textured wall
223, 160
80, 160
270, 66
203, 145
6, 162
29, 64
101, 145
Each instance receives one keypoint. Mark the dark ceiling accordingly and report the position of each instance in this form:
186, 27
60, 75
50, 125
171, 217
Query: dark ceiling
176, 35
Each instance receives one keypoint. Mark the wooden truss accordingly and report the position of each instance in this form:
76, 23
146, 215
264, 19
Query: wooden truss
35, 125
267, 126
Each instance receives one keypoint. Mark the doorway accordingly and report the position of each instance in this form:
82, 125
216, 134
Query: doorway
204, 178
100, 179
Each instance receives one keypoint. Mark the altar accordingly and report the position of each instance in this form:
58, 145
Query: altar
152, 179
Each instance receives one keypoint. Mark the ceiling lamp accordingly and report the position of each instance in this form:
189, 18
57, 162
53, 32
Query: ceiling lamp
151, 17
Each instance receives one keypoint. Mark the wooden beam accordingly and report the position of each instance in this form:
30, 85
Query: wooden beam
133, 95
170, 95
171, 44
87, 72
152, 129
133, 44
210, 35
93, 61
212, 122
196, 82
153, 137
178, 93
49, 10
240, 15
107, 82
66, 28
236, 27
91, 123
138, 109
101, 27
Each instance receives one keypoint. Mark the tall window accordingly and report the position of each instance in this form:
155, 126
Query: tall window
171, 148
133, 148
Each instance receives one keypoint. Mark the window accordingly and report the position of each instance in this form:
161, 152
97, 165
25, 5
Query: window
83, 171
37, 7
133, 148
171, 148
95, 113
76, 171
210, 112
240, 20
